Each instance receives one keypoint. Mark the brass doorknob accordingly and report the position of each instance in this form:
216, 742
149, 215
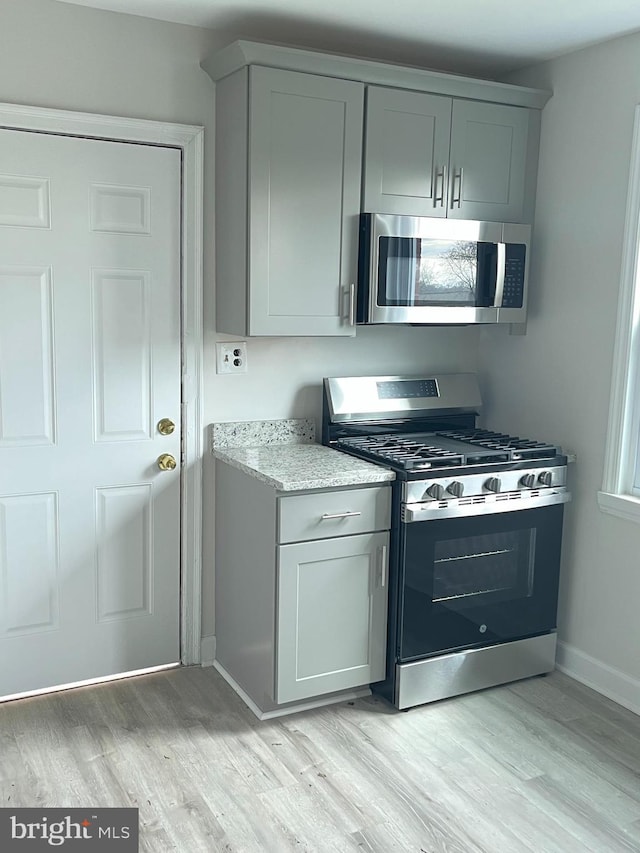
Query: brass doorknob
166, 426
166, 462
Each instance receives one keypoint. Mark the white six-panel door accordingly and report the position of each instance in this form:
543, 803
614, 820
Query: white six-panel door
89, 364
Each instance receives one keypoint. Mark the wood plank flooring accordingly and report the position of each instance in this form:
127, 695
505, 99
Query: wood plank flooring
542, 765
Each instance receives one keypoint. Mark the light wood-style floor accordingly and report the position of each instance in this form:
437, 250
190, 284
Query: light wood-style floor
543, 765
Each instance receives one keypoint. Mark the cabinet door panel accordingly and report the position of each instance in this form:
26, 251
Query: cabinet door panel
489, 142
407, 143
331, 620
304, 191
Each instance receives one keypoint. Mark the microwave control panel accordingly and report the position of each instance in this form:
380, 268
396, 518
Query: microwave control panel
513, 294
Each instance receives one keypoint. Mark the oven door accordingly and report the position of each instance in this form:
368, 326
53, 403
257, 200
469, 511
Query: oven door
479, 580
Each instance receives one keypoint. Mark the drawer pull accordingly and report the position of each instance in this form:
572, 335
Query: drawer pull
328, 516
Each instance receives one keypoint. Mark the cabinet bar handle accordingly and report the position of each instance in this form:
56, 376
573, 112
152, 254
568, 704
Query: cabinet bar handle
327, 516
352, 304
383, 566
438, 197
458, 175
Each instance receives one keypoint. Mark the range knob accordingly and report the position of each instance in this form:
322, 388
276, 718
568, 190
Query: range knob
528, 481
435, 491
456, 489
493, 484
546, 478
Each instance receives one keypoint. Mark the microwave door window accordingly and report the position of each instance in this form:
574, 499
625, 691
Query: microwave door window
399, 262
449, 272
424, 272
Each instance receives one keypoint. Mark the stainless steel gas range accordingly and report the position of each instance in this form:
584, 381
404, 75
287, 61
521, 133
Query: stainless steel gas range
476, 533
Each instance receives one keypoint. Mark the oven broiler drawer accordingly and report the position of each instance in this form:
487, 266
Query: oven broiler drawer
463, 672
325, 515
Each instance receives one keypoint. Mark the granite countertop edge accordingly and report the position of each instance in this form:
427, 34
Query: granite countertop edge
290, 468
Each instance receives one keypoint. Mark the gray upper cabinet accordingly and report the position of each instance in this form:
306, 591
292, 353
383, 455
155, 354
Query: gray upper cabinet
431, 155
290, 182
288, 169
487, 161
406, 152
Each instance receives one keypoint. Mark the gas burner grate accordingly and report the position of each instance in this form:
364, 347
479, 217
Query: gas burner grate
518, 448
451, 448
407, 452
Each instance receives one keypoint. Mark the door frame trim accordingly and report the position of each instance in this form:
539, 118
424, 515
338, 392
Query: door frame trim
189, 140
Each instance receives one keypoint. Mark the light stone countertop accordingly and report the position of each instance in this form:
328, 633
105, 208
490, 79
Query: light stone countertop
295, 467
260, 433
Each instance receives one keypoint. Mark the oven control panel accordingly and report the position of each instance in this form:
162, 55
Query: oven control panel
453, 488
400, 389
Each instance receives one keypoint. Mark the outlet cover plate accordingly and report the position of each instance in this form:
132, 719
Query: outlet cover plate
231, 357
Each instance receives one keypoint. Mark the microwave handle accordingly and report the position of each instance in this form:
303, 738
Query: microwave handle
500, 273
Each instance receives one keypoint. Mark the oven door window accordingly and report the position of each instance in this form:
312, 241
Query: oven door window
427, 272
480, 580
491, 567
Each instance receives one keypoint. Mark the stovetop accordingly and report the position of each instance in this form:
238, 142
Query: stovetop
423, 428
461, 449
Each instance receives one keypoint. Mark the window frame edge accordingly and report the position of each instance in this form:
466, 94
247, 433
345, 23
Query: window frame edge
615, 497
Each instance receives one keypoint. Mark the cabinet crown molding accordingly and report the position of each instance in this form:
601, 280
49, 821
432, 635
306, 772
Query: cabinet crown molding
242, 53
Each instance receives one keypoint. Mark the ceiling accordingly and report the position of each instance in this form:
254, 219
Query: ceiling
472, 36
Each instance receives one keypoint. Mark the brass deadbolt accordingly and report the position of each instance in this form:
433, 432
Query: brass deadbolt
166, 426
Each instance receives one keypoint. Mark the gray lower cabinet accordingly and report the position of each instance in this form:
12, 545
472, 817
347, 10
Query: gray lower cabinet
301, 589
432, 155
288, 177
332, 615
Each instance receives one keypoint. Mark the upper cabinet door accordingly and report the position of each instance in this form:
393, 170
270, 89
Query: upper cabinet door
406, 152
305, 144
488, 158
431, 155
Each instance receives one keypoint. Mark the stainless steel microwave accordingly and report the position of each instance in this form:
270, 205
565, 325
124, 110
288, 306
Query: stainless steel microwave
422, 270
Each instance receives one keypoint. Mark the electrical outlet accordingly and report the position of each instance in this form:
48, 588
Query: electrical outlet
231, 357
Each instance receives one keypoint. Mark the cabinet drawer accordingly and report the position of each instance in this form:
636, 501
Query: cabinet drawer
337, 513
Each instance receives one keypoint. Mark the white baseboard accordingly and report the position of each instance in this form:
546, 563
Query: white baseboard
207, 650
320, 702
611, 682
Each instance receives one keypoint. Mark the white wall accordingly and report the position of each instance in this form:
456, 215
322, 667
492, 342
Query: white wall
69, 57
555, 382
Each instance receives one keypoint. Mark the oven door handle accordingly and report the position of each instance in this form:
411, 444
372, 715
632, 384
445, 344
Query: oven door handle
490, 505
